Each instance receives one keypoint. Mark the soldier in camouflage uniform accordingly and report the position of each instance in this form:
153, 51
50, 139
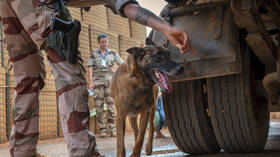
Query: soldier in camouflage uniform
100, 64
26, 25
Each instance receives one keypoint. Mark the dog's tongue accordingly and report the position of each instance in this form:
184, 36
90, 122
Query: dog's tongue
168, 86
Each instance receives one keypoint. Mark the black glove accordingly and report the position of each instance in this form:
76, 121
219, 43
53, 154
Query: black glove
66, 42
60, 25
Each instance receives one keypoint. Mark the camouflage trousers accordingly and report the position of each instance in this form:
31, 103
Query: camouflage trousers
102, 94
26, 27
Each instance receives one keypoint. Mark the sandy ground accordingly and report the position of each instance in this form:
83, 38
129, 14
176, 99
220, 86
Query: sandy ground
106, 146
163, 147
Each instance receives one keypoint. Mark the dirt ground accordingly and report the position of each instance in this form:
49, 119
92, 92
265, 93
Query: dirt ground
106, 146
163, 147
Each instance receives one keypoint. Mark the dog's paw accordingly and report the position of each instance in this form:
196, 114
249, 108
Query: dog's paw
148, 149
135, 155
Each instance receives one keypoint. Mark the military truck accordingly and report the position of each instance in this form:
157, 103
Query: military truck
223, 99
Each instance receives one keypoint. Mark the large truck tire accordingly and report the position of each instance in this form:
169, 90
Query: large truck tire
187, 118
240, 120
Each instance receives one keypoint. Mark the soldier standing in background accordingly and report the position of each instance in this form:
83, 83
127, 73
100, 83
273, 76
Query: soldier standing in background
28, 29
159, 120
100, 63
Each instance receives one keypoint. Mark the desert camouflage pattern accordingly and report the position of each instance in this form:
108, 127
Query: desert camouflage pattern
101, 86
26, 25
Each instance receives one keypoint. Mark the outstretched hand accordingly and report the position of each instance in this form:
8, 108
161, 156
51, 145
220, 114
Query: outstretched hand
141, 15
179, 39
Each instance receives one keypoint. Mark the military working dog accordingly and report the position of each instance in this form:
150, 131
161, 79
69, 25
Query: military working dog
132, 89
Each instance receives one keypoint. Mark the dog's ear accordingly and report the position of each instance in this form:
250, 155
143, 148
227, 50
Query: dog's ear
136, 52
131, 63
149, 42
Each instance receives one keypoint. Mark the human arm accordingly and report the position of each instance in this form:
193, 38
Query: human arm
91, 63
159, 92
141, 15
159, 95
90, 72
118, 59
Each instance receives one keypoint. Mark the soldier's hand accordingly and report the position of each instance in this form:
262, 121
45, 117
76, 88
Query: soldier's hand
180, 39
91, 86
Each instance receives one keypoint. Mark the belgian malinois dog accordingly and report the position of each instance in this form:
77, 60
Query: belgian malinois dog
132, 89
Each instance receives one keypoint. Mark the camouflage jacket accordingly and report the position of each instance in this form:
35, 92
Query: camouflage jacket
95, 60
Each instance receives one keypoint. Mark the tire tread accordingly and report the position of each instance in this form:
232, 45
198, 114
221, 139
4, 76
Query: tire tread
182, 123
